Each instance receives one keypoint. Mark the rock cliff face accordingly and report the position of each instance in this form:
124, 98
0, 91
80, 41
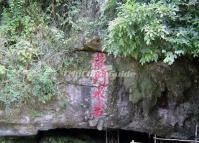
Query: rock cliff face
106, 92
156, 98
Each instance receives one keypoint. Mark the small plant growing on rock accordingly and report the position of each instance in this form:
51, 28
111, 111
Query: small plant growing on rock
42, 83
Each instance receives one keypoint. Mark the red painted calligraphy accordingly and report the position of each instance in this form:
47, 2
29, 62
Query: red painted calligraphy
98, 109
100, 81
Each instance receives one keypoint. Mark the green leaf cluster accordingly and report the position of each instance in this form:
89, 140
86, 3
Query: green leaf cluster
61, 13
42, 83
33, 44
158, 30
20, 18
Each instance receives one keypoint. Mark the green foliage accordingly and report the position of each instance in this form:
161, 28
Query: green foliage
24, 52
110, 8
61, 14
13, 88
31, 49
20, 18
159, 29
42, 83
26, 74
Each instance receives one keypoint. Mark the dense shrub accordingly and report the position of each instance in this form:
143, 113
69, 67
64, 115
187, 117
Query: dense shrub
33, 44
161, 29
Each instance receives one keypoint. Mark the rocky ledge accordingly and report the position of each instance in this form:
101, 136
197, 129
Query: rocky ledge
119, 93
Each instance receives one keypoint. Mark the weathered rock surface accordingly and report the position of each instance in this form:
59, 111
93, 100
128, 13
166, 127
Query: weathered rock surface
157, 99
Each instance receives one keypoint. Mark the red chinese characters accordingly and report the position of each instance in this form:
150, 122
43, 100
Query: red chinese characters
100, 81
98, 61
98, 109
100, 77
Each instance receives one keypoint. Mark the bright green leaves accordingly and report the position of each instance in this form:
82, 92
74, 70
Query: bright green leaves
13, 87
149, 32
25, 54
171, 56
137, 29
42, 83
19, 19
148, 55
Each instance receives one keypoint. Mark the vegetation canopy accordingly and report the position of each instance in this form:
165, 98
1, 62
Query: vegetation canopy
33, 48
156, 30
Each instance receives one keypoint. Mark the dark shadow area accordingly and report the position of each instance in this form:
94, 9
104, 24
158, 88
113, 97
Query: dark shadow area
95, 136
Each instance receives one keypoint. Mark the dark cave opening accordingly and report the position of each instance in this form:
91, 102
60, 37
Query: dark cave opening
95, 136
